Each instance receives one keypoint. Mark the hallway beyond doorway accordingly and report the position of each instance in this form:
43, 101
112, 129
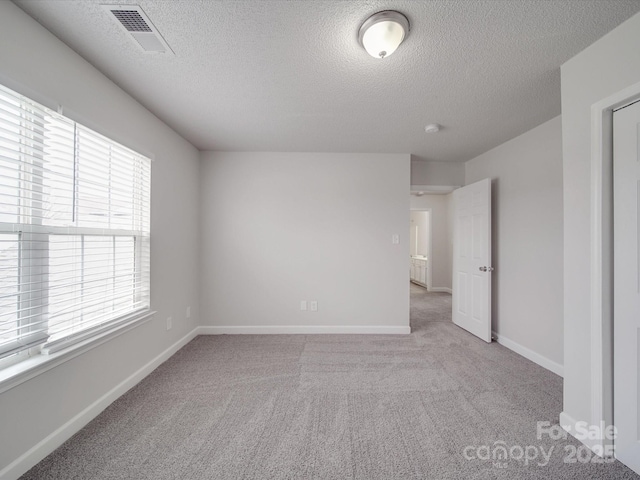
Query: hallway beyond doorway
428, 307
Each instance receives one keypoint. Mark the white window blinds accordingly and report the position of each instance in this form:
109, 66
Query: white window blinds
74, 229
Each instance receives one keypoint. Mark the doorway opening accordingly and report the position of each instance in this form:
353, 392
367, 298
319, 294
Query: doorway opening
420, 248
425, 305
430, 255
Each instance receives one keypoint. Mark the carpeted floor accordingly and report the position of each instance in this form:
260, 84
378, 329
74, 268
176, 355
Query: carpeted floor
436, 404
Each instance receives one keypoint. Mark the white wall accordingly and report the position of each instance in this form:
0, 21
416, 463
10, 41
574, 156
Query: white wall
278, 228
441, 263
527, 241
436, 173
608, 66
37, 64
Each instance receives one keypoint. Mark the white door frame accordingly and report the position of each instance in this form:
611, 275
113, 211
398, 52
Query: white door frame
430, 245
602, 256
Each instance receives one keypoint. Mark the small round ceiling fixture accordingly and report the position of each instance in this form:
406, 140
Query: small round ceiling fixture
432, 128
382, 33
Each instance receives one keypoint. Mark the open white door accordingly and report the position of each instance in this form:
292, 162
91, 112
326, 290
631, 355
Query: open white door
472, 258
626, 294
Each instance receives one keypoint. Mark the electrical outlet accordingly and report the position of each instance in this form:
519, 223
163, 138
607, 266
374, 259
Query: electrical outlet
314, 305
303, 305
169, 323
188, 312
395, 239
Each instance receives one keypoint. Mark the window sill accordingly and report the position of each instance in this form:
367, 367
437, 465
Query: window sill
13, 375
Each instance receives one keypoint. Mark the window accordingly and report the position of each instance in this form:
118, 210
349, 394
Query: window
74, 230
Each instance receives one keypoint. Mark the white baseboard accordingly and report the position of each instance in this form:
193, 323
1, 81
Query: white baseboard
440, 289
43, 448
570, 425
303, 329
530, 354
567, 422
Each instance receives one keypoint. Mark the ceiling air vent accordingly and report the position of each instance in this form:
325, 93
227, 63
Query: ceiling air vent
137, 25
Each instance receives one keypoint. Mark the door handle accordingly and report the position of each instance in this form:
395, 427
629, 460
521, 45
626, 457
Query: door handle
486, 269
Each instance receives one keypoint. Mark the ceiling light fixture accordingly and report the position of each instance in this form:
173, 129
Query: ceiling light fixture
432, 128
382, 33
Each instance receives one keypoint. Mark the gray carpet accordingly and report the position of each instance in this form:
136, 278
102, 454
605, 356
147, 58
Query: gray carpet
333, 407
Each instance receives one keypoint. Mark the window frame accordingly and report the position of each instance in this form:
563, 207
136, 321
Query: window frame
46, 354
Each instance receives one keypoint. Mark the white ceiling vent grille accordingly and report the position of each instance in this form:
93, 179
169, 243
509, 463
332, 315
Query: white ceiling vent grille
135, 22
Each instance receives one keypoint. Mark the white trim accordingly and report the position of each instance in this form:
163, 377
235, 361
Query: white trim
96, 332
567, 422
529, 354
302, 329
430, 251
27, 369
433, 189
441, 289
601, 324
570, 425
43, 448
56, 230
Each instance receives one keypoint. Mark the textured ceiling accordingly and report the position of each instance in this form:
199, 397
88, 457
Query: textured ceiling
291, 76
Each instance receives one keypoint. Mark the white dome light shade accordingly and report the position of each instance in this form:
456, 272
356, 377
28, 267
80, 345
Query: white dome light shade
382, 33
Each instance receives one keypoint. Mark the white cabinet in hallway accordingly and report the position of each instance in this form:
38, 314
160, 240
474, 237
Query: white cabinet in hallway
418, 270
